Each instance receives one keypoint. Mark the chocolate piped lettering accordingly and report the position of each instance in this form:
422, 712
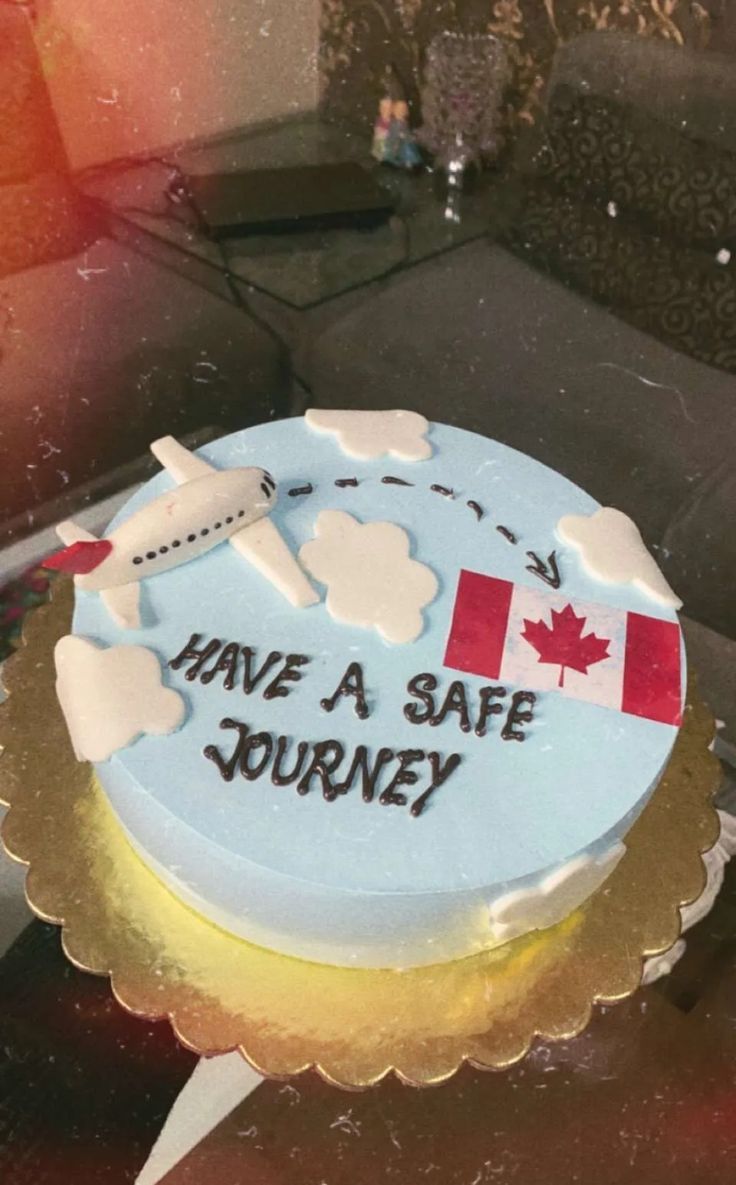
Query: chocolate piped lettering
509, 732
380, 775
350, 684
256, 741
369, 774
326, 757
252, 678
440, 774
454, 701
421, 686
200, 655
254, 752
212, 753
278, 777
458, 701
403, 777
488, 707
228, 661
289, 673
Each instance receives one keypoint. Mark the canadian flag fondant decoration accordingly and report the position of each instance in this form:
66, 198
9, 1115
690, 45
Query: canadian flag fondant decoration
544, 641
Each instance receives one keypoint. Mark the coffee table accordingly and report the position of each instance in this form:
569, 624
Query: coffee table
300, 270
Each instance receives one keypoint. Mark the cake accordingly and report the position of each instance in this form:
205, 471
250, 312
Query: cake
370, 691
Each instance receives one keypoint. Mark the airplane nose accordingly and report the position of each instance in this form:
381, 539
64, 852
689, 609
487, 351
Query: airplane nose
268, 485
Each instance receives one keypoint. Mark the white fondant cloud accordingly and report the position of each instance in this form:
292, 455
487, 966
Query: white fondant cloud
110, 695
612, 550
554, 898
367, 435
370, 578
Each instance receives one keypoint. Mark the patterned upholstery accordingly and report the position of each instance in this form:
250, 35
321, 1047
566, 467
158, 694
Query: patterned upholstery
683, 297
607, 151
637, 216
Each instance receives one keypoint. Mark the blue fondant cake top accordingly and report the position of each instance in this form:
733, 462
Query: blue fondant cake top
509, 807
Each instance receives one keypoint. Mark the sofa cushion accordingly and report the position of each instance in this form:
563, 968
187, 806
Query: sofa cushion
479, 339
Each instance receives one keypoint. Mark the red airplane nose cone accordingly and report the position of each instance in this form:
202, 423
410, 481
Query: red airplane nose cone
79, 558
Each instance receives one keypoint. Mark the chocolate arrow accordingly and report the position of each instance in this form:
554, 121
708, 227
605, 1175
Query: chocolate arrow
548, 572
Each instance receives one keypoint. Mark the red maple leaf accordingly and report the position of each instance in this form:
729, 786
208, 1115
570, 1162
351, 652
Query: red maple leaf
564, 643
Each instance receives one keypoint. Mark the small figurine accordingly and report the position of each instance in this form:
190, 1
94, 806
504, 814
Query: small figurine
380, 129
401, 148
393, 140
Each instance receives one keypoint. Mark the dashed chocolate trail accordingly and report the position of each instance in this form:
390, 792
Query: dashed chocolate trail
548, 572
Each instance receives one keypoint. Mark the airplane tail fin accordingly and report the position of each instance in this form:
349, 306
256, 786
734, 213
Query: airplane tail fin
70, 532
80, 557
121, 602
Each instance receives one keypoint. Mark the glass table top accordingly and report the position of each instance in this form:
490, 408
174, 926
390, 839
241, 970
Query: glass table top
301, 269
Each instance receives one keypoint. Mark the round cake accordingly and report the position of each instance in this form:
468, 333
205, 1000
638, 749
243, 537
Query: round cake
371, 691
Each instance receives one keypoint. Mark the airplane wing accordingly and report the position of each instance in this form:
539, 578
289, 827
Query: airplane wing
178, 461
123, 605
262, 544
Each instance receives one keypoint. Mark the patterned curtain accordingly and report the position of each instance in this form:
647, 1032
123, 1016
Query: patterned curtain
361, 38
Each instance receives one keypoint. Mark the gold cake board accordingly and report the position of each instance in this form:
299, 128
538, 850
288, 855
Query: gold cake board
283, 1014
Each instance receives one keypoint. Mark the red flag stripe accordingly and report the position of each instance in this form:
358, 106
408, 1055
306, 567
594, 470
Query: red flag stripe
652, 678
479, 624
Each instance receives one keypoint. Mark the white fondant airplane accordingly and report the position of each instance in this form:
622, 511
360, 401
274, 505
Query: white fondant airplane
207, 507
